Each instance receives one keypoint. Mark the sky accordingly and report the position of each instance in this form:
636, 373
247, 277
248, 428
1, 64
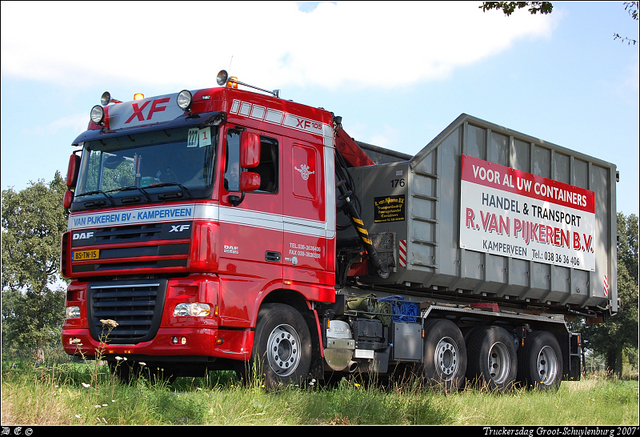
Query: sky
398, 73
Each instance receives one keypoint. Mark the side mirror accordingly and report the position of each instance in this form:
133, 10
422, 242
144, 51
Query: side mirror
249, 158
249, 181
249, 150
72, 179
67, 200
72, 170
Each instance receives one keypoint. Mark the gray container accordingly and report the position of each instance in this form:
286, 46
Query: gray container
418, 203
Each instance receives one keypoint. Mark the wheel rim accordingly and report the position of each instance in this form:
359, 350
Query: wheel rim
499, 362
547, 365
283, 351
446, 358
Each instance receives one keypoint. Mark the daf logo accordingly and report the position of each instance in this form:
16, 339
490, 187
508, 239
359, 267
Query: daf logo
179, 228
83, 235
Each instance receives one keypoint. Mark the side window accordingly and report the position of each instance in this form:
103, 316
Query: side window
267, 169
232, 161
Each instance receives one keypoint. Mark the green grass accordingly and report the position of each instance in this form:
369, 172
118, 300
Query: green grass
86, 394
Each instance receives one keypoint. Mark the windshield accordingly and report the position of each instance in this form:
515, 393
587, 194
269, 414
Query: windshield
172, 158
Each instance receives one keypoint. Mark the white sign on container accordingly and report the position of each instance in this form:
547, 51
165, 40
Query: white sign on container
504, 211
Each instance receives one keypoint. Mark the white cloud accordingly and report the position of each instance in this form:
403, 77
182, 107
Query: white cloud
379, 44
76, 123
384, 136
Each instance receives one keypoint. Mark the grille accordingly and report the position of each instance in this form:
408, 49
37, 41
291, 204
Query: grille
135, 305
128, 233
154, 246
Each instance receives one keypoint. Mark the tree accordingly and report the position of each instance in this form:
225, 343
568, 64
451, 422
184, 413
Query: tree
632, 8
509, 7
620, 333
33, 221
547, 7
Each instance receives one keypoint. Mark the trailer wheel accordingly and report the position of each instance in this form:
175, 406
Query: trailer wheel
445, 355
282, 346
540, 361
492, 358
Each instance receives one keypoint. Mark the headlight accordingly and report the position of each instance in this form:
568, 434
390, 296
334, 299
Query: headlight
192, 309
184, 99
97, 114
72, 312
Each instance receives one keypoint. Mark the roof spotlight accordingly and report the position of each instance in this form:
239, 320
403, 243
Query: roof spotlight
97, 114
233, 82
222, 77
184, 100
106, 99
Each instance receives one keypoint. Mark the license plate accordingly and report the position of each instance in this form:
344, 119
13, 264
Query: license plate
81, 255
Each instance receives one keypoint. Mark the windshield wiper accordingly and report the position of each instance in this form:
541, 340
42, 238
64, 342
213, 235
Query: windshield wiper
90, 204
170, 195
142, 190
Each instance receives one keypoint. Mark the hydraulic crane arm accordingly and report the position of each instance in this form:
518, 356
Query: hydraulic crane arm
354, 157
352, 153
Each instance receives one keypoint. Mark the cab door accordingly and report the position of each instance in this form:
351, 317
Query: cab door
251, 242
305, 222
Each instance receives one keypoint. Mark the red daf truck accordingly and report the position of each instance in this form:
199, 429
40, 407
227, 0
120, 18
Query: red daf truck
226, 228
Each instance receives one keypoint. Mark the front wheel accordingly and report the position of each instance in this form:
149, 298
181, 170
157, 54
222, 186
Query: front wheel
282, 346
540, 361
445, 355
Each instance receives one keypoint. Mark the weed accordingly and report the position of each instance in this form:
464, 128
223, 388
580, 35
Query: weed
86, 393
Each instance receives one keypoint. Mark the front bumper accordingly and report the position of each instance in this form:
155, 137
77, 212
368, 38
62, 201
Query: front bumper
168, 343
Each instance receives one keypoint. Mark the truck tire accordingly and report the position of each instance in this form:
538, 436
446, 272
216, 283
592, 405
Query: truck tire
445, 355
281, 347
492, 359
540, 361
